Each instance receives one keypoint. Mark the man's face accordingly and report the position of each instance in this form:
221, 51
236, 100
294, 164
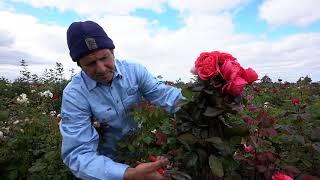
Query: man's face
99, 65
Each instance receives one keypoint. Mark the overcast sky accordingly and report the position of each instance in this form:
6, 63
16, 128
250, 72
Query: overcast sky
280, 38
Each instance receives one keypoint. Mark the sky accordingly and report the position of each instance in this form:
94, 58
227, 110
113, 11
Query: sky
278, 38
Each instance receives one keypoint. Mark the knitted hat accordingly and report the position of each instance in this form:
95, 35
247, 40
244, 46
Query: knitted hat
86, 37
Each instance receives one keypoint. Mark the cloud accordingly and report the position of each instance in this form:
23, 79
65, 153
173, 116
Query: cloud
11, 55
31, 38
170, 53
166, 52
290, 12
206, 6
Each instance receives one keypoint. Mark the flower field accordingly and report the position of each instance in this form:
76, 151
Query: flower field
229, 126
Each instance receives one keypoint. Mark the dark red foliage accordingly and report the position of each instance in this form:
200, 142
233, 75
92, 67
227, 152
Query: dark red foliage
161, 138
267, 132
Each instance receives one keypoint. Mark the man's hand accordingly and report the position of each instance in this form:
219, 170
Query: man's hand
147, 171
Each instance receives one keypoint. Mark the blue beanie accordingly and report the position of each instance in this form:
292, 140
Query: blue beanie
86, 37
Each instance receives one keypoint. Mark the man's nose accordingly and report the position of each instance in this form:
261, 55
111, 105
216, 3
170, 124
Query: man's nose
100, 67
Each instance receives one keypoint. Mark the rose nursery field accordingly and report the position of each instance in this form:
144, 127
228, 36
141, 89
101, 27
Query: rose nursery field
232, 124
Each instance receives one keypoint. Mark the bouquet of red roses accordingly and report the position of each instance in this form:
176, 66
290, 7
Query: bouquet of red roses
213, 64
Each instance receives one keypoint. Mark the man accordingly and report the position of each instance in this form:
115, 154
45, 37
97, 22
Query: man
105, 89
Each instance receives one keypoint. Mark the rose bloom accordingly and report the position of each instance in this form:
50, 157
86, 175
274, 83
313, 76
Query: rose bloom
235, 87
247, 148
206, 65
280, 176
223, 57
249, 75
295, 100
230, 70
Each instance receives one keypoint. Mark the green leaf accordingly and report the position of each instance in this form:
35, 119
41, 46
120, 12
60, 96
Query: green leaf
197, 89
50, 155
131, 148
13, 174
147, 139
216, 166
300, 139
233, 177
316, 146
37, 167
188, 138
187, 93
191, 160
223, 120
306, 162
202, 154
214, 140
182, 102
4, 115
212, 112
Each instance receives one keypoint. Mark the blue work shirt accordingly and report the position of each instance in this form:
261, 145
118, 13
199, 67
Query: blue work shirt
84, 99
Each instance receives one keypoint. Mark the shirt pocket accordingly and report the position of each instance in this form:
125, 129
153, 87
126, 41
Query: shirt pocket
105, 115
132, 97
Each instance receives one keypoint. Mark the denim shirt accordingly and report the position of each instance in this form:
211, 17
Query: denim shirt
84, 99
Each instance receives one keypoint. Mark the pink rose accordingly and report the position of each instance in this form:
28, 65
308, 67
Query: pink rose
206, 65
250, 75
230, 69
280, 176
235, 87
247, 148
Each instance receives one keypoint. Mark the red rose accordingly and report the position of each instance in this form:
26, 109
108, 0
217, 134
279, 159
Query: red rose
230, 69
250, 75
225, 57
295, 100
55, 97
206, 65
154, 159
280, 176
235, 87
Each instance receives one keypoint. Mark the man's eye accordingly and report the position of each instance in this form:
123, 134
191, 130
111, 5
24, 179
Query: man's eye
105, 58
90, 64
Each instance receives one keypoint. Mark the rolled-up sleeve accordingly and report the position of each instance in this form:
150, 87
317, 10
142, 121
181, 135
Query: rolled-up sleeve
157, 92
80, 141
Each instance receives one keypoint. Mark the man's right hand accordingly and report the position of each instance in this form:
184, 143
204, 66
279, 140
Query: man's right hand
147, 171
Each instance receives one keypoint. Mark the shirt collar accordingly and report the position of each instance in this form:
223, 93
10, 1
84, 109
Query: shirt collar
91, 84
117, 70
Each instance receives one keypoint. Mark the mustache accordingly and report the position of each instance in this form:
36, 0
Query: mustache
107, 72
